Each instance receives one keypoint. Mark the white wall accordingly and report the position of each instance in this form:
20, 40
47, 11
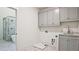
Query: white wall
27, 28
4, 11
60, 28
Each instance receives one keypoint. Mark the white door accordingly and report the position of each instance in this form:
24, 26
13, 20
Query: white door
43, 19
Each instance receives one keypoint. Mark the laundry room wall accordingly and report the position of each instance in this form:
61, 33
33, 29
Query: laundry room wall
27, 27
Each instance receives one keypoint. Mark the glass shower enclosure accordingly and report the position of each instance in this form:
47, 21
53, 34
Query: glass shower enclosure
9, 28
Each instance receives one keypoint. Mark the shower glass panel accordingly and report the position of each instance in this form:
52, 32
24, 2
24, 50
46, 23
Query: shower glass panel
7, 29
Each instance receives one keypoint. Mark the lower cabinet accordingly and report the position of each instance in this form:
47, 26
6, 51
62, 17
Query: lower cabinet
68, 43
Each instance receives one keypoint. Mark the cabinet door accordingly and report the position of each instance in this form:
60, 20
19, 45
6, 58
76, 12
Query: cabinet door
63, 44
53, 17
56, 17
63, 13
43, 19
75, 44
72, 44
77, 12
72, 13
50, 18
68, 44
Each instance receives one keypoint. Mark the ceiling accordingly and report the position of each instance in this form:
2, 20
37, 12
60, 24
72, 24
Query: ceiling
41, 8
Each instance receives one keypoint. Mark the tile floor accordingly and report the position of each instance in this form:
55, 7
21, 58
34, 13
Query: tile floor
7, 46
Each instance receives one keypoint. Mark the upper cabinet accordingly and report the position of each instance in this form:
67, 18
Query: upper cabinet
69, 14
78, 12
72, 13
49, 17
43, 19
63, 13
53, 16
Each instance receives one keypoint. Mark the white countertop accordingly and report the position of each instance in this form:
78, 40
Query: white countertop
65, 34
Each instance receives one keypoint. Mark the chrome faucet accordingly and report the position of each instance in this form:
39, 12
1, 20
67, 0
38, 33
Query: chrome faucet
52, 41
68, 29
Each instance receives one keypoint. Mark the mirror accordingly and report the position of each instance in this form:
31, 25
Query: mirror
7, 29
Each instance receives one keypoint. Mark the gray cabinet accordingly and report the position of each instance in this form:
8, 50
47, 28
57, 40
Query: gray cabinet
72, 13
63, 13
72, 44
53, 17
43, 19
62, 44
68, 43
69, 14
49, 17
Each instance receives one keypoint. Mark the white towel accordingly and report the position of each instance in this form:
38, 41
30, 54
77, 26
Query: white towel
40, 46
